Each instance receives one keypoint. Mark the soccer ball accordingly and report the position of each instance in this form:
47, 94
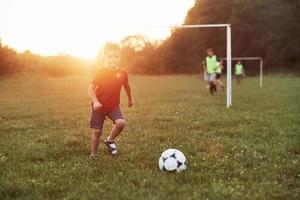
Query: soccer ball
172, 160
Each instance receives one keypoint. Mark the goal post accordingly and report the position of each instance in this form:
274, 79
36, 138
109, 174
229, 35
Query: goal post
261, 65
228, 54
228, 49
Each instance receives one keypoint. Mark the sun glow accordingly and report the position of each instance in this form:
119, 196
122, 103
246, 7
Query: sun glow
81, 27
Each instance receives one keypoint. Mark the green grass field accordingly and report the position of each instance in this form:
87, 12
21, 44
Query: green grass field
250, 151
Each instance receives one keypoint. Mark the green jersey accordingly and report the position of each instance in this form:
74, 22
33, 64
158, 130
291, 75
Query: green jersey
211, 64
238, 69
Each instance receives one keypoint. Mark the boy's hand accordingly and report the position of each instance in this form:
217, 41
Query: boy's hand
130, 103
97, 105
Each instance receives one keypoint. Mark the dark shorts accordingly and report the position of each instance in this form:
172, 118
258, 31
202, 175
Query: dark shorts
239, 77
98, 117
218, 76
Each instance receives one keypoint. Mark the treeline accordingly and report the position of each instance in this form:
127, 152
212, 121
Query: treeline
268, 29
12, 62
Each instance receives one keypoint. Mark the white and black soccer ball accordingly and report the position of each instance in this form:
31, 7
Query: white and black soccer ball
172, 160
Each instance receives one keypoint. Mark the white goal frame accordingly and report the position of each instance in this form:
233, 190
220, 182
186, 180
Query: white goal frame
261, 66
228, 50
228, 54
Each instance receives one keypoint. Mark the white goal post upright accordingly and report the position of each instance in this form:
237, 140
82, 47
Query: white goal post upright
229, 74
261, 65
228, 54
261, 72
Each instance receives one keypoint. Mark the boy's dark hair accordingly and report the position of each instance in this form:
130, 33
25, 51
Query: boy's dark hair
209, 49
111, 47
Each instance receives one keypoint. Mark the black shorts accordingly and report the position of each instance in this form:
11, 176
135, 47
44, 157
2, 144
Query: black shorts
239, 77
98, 117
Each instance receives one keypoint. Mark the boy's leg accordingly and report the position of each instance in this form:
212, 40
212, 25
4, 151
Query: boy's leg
210, 83
117, 117
116, 130
207, 80
96, 134
238, 79
215, 86
214, 81
220, 83
211, 87
97, 120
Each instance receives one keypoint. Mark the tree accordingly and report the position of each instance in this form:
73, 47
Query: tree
267, 28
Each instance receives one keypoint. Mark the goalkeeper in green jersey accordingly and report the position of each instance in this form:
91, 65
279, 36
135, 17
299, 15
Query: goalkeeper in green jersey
210, 64
239, 72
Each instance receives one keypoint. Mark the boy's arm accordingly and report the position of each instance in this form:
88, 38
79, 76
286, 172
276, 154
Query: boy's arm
219, 61
204, 65
221, 64
128, 92
92, 94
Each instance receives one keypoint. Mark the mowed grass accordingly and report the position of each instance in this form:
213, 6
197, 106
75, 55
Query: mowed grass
250, 151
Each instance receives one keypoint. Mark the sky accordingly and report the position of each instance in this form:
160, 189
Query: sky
81, 27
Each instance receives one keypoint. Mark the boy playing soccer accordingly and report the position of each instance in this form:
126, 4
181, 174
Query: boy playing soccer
239, 72
211, 64
104, 90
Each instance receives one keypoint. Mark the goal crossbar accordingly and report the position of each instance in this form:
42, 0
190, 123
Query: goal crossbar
175, 26
202, 26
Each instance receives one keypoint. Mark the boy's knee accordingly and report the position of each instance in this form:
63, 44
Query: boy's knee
97, 132
120, 123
